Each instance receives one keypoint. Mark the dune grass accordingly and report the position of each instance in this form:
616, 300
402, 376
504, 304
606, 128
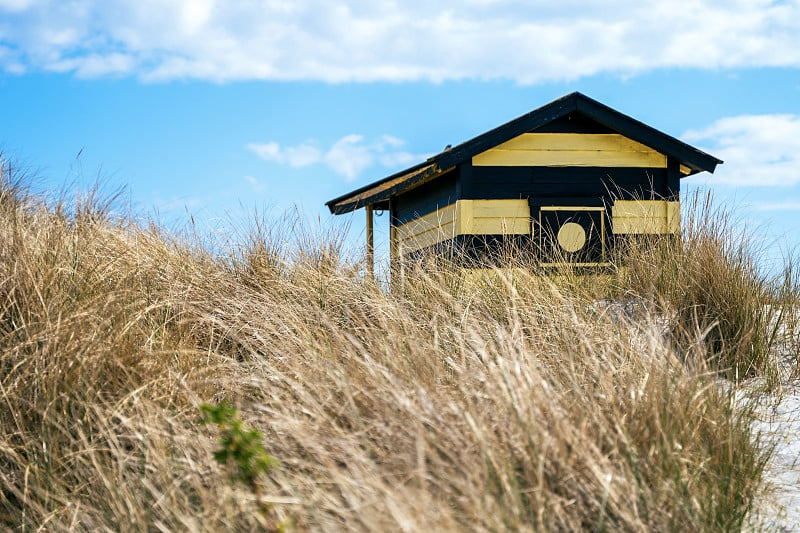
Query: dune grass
708, 282
448, 405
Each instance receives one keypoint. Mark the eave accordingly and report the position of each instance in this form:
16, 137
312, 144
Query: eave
381, 191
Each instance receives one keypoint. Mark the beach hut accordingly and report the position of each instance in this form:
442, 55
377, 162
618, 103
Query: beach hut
565, 180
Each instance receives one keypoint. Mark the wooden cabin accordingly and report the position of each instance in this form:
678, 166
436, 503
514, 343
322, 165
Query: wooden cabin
570, 177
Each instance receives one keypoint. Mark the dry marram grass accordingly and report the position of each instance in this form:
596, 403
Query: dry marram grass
447, 406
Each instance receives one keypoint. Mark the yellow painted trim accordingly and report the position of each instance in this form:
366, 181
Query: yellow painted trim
685, 170
645, 217
498, 208
571, 149
393, 243
574, 141
499, 226
370, 242
494, 217
674, 217
466, 217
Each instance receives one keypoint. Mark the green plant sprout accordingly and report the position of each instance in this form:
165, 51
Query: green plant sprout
242, 449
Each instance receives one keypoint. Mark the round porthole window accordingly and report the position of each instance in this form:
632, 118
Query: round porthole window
571, 237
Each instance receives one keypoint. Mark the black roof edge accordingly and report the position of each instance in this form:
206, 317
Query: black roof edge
531, 120
696, 159
418, 176
331, 203
647, 135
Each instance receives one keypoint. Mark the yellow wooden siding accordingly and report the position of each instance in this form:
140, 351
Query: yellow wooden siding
641, 217
571, 149
494, 217
466, 217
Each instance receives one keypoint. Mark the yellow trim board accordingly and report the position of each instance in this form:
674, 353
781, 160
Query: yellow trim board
466, 217
494, 217
645, 217
571, 149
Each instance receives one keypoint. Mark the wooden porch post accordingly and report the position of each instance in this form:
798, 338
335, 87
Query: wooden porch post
370, 243
393, 263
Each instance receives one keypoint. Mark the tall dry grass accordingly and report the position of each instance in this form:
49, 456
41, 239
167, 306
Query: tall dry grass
446, 406
708, 281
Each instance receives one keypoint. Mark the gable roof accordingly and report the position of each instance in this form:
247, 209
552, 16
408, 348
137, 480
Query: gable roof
381, 190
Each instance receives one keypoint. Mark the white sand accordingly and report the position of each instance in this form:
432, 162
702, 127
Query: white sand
779, 423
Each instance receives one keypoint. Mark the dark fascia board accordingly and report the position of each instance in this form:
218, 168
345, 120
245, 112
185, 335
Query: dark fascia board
332, 203
695, 159
529, 121
688, 155
383, 189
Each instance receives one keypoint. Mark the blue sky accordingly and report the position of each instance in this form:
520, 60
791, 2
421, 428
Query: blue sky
210, 107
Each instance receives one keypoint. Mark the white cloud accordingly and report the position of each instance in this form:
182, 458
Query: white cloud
94, 65
15, 5
349, 156
758, 150
392, 141
270, 151
361, 40
298, 156
302, 155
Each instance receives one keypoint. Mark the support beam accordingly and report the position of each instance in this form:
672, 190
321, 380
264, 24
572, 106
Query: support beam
370, 243
394, 266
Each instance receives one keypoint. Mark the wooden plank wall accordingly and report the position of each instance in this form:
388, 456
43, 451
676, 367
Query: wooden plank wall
430, 229
496, 192
642, 217
557, 186
513, 217
465, 217
571, 150
426, 198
